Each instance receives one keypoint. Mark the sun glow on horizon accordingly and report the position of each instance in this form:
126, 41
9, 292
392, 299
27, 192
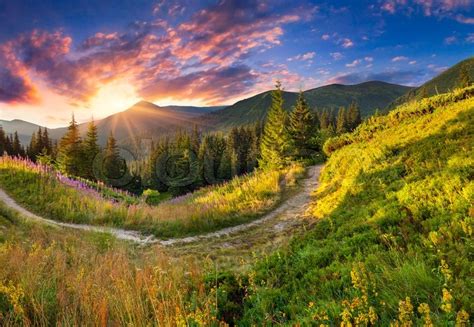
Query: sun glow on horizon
113, 98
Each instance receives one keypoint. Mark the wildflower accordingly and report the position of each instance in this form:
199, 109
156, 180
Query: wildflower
433, 236
15, 294
405, 312
424, 310
346, 318
446, 271
372, 315
446, 305
462, 319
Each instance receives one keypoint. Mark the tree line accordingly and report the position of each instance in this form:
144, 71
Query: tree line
300, 134
191, 159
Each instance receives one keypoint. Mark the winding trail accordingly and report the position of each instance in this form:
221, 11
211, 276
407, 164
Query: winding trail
295, 206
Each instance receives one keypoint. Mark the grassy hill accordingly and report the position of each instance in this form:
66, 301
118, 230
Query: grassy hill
444, 82
393, 233
369, 95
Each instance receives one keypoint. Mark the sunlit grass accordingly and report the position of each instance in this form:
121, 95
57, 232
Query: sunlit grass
58, 278
393, 238
60, 198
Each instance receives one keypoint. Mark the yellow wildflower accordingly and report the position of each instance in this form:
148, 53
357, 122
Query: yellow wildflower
405, 312
424, 309
446, 305
462, 319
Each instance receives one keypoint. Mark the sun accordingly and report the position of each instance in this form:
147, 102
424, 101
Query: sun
112, 98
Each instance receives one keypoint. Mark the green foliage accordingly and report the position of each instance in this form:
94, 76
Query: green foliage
91, 150
275, 145
353, 116
394, 237
152, 197
70, 155
342, 124
303, 129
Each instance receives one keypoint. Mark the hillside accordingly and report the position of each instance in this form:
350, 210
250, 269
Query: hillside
24, 129
369, 95
144, 119
392, 236
444, 82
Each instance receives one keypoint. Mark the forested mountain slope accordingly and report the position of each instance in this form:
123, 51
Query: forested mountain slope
369, 96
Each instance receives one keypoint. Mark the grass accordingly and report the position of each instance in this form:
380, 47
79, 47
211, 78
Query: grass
392, 240
238, 201
87, 279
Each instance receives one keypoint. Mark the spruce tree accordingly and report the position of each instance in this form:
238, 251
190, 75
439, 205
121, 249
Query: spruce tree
16, 146
31, 149
302, 129
341, 123
2, 141
9, 144
39, 142
47, 144
91, 150
353, 116
275, 139
114, 167
225, 167
70, 154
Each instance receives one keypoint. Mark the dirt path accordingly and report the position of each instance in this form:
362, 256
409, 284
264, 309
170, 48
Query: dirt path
280, 218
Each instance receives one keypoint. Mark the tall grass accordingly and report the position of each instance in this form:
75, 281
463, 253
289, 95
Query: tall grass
60, 198
394, 234
71, 279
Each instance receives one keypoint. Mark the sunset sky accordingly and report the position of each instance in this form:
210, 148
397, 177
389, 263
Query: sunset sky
100, 57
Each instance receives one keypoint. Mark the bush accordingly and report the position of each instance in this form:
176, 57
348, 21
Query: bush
152, 197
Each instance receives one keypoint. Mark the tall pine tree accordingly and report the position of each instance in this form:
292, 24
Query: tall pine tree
91, 150
341, 121
275, 139
70, 154
303, 129
353, 116
2, 141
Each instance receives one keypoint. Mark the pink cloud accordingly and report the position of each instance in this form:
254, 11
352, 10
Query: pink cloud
347, 43
336, 55
303, 57
200, 56
353, 64
439, 8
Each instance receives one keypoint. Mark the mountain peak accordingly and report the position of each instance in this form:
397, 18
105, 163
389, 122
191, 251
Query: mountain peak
141, 105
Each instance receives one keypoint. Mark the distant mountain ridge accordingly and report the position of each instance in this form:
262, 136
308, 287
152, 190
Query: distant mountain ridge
147, 120
369, 95
442, 83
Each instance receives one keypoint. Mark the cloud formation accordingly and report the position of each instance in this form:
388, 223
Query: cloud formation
198, 58
437, 8
303, 57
